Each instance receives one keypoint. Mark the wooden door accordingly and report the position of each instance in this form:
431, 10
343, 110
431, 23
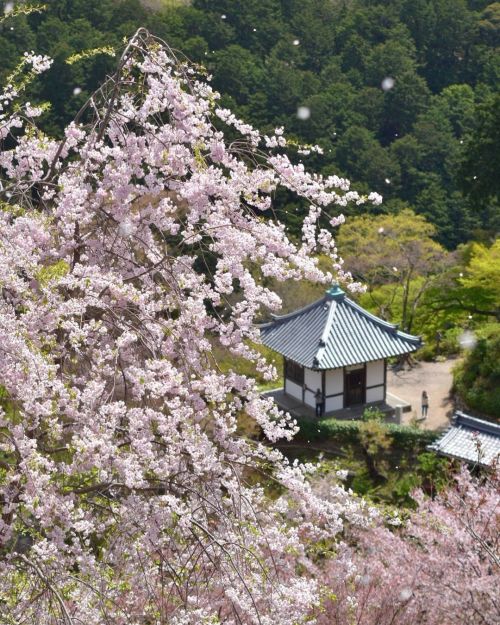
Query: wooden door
354, 387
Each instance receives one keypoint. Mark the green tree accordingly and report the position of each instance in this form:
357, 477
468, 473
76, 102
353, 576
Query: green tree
362, 157
477, 287
489, 24
237, 72
393, 250
477, 378
374, 439
479, 173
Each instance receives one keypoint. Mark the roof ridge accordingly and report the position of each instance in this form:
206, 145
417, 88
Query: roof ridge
460, 418
294, 313
332, 303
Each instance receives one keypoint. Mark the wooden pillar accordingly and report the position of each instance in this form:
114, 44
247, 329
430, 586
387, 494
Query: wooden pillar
323, 389
364, 383
344, 389
385, 379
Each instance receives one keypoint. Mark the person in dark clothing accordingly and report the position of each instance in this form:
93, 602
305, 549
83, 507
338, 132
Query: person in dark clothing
319, 403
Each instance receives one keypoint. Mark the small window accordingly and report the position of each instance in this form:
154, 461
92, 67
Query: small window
294, 372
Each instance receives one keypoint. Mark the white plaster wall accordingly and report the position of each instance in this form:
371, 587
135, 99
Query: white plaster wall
293, 389
375, 394
334, 403
374, 373
334, 382
312, 379
310, 398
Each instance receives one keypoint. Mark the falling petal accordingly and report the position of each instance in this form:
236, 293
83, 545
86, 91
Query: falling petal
467, 339
388, 83
303, 112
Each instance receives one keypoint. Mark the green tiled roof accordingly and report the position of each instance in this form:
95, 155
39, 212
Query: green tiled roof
470, 439
335, 332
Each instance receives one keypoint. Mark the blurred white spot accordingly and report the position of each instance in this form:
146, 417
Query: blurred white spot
474, 177
381, 230
467, 339
126, 228
77, 91
254, 30
387, 181
405, 594
394, 268
12, 27
461, 275
303, 112
388, 83
296, 42
223, 16
461, 140
9, 7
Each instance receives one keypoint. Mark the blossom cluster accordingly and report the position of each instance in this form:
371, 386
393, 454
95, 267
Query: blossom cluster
127, 252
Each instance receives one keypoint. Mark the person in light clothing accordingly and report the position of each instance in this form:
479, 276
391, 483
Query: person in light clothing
425, 404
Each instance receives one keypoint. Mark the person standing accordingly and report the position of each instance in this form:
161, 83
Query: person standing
319, 403
425, 404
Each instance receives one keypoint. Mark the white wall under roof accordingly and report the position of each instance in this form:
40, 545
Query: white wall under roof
374, 376
334, 403
334, 381
312, 380
293, 389
374, 372
375, 394
334, 384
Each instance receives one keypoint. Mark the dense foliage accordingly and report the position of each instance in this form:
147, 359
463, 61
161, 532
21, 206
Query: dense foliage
426, 140
477, 378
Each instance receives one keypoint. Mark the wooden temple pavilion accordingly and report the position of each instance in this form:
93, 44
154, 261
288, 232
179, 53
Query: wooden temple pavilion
336, 346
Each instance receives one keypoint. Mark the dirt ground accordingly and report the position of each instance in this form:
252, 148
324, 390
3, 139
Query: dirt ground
433, 377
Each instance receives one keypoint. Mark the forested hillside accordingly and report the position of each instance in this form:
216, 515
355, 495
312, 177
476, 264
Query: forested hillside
400, 94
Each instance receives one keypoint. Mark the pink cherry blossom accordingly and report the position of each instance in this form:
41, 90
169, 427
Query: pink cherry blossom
127, 251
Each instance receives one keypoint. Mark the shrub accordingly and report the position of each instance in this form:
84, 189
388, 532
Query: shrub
347, 432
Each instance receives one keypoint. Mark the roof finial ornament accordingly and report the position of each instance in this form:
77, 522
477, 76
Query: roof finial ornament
335, 292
